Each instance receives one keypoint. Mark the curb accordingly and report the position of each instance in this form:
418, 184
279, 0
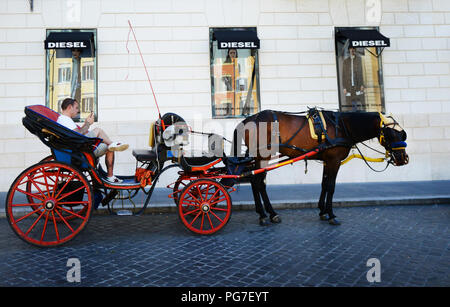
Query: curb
312, 204
309, 204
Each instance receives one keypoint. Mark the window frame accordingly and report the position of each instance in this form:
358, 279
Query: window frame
212, 76
338, 53
52, 97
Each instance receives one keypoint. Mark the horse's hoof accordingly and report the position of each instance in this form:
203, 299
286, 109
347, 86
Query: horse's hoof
263, 221
276, 219
323, 217
334, 222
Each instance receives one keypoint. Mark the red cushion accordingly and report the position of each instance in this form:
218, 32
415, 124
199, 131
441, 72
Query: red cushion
44, 111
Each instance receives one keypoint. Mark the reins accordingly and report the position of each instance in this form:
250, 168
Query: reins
361, 156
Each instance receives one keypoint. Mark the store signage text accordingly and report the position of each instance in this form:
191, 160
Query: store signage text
224, 45
371, 43
53, 45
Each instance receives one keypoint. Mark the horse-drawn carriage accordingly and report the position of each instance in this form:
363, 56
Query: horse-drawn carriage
51, 202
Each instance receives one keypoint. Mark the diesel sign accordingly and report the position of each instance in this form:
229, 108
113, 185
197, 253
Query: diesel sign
370, 43
240, 45
64, 45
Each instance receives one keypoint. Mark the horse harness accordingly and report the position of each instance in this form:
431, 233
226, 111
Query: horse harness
317, 123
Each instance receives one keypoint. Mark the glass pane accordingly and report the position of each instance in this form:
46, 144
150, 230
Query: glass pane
72, 73
234, 82
360, 78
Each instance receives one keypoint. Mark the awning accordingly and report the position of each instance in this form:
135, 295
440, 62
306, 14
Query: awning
361, 38
236, 39
70, 40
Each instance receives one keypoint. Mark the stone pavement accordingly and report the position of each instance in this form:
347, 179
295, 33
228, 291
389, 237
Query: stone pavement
411, 242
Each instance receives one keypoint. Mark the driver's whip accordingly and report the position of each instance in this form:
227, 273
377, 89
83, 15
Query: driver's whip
148, 77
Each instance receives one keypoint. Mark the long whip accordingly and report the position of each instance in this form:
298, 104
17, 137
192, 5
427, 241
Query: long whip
146, 71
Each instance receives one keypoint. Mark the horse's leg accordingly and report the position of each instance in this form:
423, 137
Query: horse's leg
323, 194
333, 168
258, 205
274, 217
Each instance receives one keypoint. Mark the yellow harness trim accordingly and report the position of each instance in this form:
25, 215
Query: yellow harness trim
311, 126
360, 157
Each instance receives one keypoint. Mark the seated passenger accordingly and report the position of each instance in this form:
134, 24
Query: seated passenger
70, 108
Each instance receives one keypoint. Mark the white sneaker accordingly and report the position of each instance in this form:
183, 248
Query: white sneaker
118, 146
114, 179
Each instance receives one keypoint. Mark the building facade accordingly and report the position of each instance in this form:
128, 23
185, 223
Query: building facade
297, 64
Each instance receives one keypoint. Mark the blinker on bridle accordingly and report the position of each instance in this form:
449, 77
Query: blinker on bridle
384, 124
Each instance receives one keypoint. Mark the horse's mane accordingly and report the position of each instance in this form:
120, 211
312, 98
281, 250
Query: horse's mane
361, 125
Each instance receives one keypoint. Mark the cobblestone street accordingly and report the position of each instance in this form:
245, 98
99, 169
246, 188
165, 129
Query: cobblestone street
411, 242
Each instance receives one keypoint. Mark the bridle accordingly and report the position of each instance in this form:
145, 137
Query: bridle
394, 146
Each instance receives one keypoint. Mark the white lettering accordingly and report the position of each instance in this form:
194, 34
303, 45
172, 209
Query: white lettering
373, 11
50, 45
194, 297
370, 43
239, 45
74, 273
374, 274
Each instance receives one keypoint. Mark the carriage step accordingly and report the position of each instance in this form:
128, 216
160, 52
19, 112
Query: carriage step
124, 212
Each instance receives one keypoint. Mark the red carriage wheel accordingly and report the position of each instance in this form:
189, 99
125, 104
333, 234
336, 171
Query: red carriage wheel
204, 206
61, 206
30, 186
178, 187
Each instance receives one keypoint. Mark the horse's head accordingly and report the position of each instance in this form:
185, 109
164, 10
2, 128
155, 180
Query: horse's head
393, 137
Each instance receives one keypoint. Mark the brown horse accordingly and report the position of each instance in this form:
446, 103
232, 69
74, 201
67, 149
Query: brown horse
294, 137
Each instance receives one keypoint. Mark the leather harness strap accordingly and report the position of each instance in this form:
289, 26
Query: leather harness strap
319, 125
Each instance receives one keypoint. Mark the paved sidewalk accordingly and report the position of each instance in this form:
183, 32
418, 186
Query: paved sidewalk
410, 242
307, 195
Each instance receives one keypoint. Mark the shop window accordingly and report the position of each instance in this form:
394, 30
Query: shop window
359, 69
234, 72
71, 69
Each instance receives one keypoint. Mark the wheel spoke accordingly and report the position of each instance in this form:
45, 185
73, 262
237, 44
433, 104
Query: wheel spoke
56, 226
27, 215
218, 201
201, 224
67, 182
69, 193
40, 191
72, 213
217, 216
218, 209
35, 222
192, 222
56, 182
30, 194
72, 202
190, 212
65, 222
26, 205
210, 223
45, 227
194, 197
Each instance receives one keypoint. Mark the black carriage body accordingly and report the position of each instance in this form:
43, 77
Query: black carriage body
66, 145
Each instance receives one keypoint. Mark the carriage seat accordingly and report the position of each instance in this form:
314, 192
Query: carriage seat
198, 164
65, 143
144, 155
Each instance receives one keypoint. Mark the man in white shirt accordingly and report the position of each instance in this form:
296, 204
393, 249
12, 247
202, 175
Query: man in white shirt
70, 109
